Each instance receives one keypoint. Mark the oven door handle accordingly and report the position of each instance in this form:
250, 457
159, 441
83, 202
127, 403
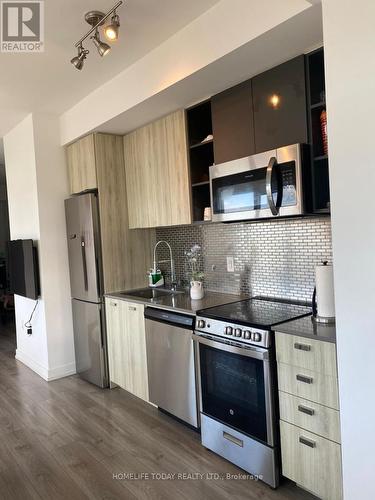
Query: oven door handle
250, 352
274, 207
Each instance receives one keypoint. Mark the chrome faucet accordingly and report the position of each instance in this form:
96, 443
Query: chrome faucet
171, 261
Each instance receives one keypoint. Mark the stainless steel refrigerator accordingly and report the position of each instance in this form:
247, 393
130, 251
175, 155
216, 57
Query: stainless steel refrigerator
83, 231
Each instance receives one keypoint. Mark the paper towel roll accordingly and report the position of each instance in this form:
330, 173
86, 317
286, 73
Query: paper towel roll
325, 299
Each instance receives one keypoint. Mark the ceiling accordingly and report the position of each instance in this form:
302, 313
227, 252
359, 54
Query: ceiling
47, 82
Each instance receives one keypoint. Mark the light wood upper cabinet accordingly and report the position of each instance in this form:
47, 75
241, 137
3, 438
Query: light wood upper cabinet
126, 254
157, 173
127, 346
97, 162
82, 165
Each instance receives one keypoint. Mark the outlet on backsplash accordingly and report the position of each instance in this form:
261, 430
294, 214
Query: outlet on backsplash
230, 264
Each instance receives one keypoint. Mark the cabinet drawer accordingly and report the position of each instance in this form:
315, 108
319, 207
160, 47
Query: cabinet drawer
311, 461
307, 384
311, 416
307, 353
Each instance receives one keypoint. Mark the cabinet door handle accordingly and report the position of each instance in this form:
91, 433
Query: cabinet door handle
305, 409
302, 347
307, 442
113, 304
304, 379
132, 308
233, 439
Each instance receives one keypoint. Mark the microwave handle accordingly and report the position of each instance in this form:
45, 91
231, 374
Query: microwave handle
274, 207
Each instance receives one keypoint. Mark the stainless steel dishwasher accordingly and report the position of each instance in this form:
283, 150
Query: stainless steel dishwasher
170, 362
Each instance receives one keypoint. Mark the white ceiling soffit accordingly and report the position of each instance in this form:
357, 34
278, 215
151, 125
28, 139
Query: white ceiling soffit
47, 82
227, 27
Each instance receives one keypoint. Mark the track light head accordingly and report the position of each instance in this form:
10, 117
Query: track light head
97, 19
102, 47
78, 61
112, 30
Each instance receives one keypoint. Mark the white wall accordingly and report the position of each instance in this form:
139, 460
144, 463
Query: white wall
219, 31
349, 39
24, 223
53, 189
37, 185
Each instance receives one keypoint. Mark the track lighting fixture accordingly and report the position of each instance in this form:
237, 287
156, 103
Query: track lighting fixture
79, 60
103, 48
111, 31
97, 19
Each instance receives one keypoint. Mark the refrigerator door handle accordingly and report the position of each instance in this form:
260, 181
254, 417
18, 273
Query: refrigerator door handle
84, 263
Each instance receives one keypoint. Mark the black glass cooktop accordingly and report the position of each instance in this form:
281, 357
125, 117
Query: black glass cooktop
257, 312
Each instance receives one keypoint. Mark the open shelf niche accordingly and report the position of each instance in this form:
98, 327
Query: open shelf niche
201, 156
317, 104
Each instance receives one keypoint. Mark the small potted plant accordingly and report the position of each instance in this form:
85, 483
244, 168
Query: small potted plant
194, 259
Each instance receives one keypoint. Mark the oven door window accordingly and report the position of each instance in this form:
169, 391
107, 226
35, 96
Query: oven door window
233, 390
241, 192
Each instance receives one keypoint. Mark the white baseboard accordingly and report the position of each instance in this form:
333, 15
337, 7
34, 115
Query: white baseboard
62, 371
42, 371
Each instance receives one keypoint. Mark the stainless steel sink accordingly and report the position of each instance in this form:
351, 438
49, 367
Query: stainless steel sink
152, 293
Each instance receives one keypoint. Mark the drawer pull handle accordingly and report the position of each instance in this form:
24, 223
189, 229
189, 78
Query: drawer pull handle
307, 442
305, 409
233, 439
303, 378
132, 308
302, 347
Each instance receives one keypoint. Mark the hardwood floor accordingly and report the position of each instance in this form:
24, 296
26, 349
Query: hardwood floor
68, 439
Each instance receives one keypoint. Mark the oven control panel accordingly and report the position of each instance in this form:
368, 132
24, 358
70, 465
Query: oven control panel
248, 335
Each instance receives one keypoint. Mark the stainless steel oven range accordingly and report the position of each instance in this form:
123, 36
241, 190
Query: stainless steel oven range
236, 372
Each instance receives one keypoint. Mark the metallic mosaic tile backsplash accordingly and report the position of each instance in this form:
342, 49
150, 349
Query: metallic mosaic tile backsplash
272, 258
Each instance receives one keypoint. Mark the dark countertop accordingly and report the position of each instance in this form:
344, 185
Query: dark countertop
306, 327
181, 302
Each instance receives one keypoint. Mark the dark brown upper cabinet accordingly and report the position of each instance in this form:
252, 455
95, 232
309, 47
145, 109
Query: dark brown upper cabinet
233, 123
279, 101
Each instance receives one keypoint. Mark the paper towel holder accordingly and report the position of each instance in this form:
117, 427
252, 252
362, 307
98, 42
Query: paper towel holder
315, 317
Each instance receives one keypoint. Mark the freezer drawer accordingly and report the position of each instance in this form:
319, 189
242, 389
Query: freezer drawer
171, 370
90, 343
82, 222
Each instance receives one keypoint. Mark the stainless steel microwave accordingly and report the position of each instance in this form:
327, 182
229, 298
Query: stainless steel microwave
264, 185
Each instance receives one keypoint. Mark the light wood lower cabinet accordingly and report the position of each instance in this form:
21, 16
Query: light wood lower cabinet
127, 346
311, 461
307, 353
311, 416
307, 384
